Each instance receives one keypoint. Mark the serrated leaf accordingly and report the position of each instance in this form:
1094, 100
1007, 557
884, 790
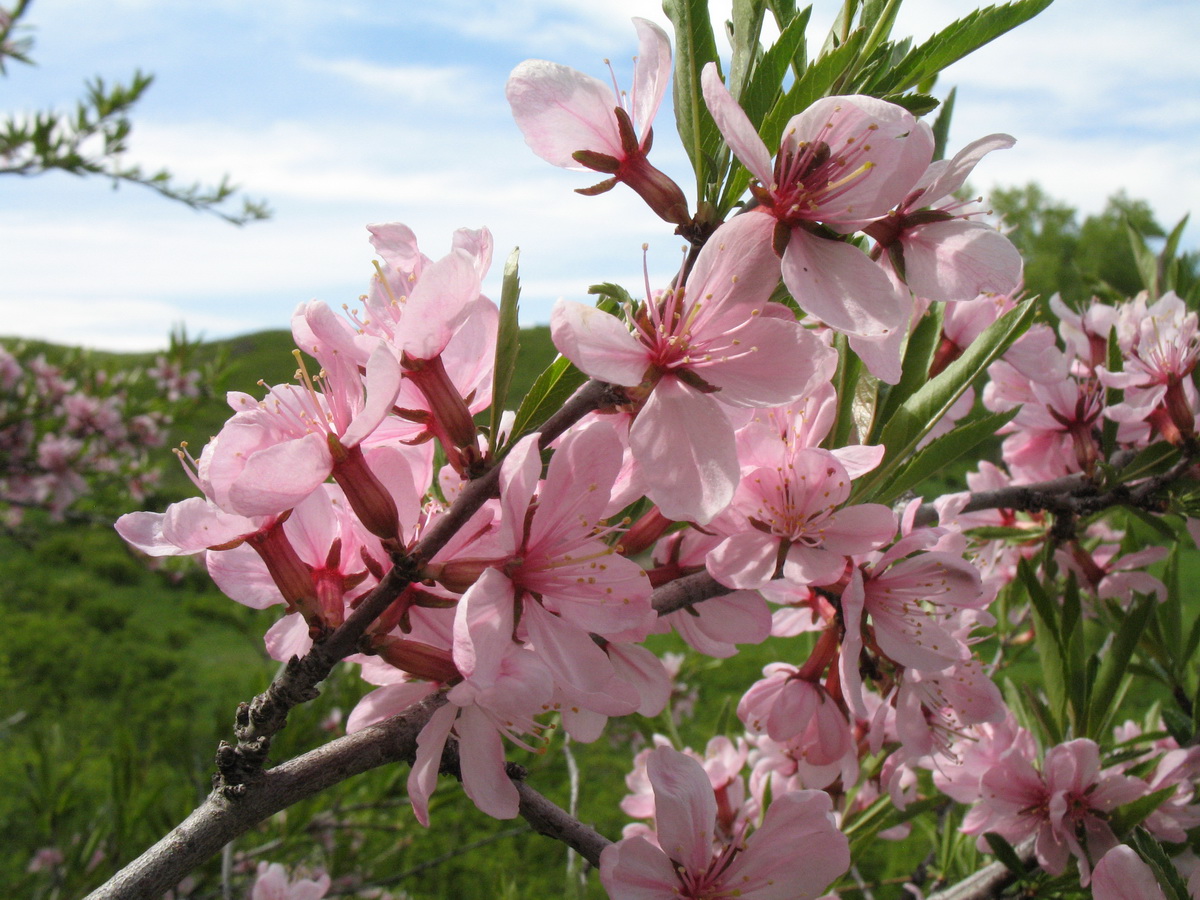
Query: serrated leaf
695, 47
920, 412
935, 456
1050, 642
845, 381
1001, 533
1150, 461
883, 814
508, 345
549, 392
765, 85
917, 104
959, 39
1160, 863
746, 27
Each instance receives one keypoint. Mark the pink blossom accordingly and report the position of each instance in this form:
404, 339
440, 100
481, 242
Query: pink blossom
715, 343
843, 162
794, 510
1065, 806
764, 867
937, 250
575, 121
272, 883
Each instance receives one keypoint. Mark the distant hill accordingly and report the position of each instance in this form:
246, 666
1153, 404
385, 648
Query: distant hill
240, 363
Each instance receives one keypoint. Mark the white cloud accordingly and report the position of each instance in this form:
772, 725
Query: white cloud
451, 87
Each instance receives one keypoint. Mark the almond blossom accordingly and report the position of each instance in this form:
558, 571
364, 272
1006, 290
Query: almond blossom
1064, 806
575, 121
714, 343
843, 162
686, 864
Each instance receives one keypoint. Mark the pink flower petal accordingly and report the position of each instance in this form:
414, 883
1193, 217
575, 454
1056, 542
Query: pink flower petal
685, 808
735, 126
841, 286
598, 343
684, 445
561, 110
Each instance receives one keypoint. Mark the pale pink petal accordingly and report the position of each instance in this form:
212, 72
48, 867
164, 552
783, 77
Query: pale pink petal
484, 779
897, 147
572, 657
770, 362
241, 575
280, 476
882, 354
841, 286
722, 623
773, 866
745, 560
959, 260
684, 445
813, 565
945, 178
483, 626
385, 702
438, 305
382, 383
519, 474
734, 276
397, 244
645, 672
650, 75
859, 459
634, 869
1121, 875
685, 809
853, 601
422, 778
735, 126
857, 529
598, 343
560, 111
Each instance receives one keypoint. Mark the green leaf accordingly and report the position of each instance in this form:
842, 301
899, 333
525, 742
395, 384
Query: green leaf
1005, 853
917, 104
816, 82
1115, 660
845, 381
1125, 818
766, 84
920, 412
918, 357
695, 47
1050, 641
941, 125
880, 815
939, 453
746, 26
1160, 863
959, 39
613, 298
508, 345
549, 392
1147, 262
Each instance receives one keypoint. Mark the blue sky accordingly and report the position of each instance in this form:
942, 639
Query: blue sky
356, 111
